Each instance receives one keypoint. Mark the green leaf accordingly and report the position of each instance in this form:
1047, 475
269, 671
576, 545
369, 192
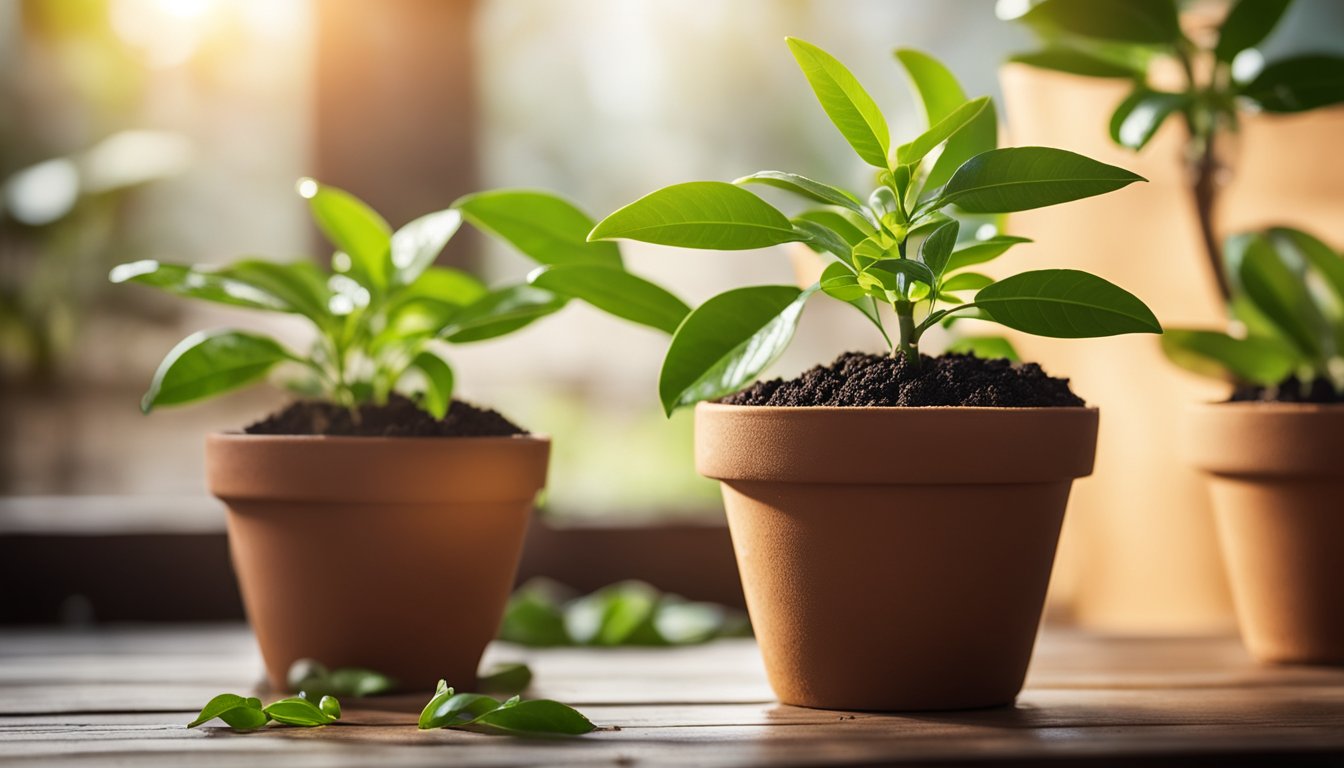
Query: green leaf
506, 678
1298, 84
533, 617
1246, 25
197, 283
985, 347
852, 229
537, 717
840, 282
949, 126
1141, 113
1065, 303
435, 713
1321, 257
543, 226
355, 229
1022, 178
299, 284
812, 190
448, 709
416, 245
311, 677
438, 394
298, 711
966, 281
727, 342
500, 312
845, 101
615, 292
936, 249
621, 614
445, 284
982, 251
330, 707
1151, 22
941, 94
699, 214
241, 714
823, 239
907, 273
1217, 355
1076, 62
1280, 293
209, 363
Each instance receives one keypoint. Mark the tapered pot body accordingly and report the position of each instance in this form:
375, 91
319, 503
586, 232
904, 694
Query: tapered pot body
394, 554
895, 558
1276, 476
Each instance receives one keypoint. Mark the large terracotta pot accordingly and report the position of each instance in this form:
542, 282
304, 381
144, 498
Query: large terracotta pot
1277, 483
895, 558
395, 554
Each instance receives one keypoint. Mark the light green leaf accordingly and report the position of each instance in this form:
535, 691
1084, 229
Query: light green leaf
543, 226
845, 101
445, 285
936, 249
985, 347
839, 281
1217, 355
727, 342
533, 617
823, 239
209, 363
621, 614
448, 709
506, 678
299, 284
1319, 256
812, 190
241, 714
849, 227
1076, 62
941, 94
982, 251
1151, 22
1065, 303
1022, 178
1141, 113
699, 214
299, 711
1246, 25
314, 679
435, 713
1298, 84
1280, 293
966, 281
500, 312
615, 292
537, 717
355, 229
949, 126
416, 245
438, 394
197, 283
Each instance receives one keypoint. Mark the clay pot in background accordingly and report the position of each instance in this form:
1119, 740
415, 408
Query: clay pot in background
895, 558
395, 554
1277, 481
1140, 552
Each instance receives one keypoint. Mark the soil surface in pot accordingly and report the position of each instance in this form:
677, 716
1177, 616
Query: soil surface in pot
401, 417
862, 380
1290, 390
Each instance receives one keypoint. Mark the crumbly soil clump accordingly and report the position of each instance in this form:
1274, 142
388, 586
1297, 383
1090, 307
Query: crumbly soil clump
401, 417
1290, 390
858, 380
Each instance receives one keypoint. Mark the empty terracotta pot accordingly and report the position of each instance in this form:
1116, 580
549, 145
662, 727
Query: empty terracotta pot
1276, 475
895, 558
395, 554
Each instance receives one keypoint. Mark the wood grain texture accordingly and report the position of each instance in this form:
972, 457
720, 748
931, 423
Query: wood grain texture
122, 696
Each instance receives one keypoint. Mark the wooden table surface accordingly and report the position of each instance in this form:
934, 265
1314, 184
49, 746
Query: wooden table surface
121, 696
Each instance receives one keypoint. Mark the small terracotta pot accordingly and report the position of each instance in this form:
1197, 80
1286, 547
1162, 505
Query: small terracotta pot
895, 558
395, 554
1276, 474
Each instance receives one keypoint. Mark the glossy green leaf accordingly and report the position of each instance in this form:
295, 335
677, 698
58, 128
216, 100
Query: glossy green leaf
1141, 113
966, 281
981, 251
699, 214
542, 717
355, 229
615, 292
845, 101
1321, 257
543, 226
1217, 355
210, 363
907, 271
197, 283
240, 713
1065, 303
985, 347
438, 374
727, 342
621, 614
936, 249
805, 187
435, 713
848, 227
1152, 22
839, 281
534, 618
299, 284
1247, 24
501, 311
1280, 293
1298, 84
448, 709
311, 677
823, 239
941, 94
916, 150
330, 707
1022, 178
416, 245
506, 678
1076, 62
298, 711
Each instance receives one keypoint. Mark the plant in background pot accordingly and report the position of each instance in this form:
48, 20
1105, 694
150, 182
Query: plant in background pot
370, 528
944, 518
1273, 452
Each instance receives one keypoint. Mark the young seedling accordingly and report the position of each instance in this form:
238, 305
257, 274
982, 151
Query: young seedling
896, 246
383, 313
1287, 304
1122, 39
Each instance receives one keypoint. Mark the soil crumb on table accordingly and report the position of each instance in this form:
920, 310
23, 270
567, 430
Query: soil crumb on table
856, 380
401, 417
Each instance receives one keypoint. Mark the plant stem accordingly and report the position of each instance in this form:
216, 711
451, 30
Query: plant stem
908, 341
1202, 165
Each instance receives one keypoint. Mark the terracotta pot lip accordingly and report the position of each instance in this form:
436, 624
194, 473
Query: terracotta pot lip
898, 409
243, 437
1266, 407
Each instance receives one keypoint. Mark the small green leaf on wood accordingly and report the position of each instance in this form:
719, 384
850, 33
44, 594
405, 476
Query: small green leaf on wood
506, 678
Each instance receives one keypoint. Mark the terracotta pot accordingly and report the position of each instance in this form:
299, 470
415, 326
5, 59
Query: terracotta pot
895, 558
1276, 473
396, 554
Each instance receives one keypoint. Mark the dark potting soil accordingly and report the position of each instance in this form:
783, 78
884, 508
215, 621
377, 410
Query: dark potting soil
1290, 390
401, 417
857, 379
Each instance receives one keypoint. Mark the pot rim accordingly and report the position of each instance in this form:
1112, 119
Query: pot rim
1265, 440
1266, 406
870, 409
236, 436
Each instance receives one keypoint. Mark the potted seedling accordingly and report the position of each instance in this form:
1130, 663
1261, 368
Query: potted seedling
892, 557
1273, 452
377, 523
